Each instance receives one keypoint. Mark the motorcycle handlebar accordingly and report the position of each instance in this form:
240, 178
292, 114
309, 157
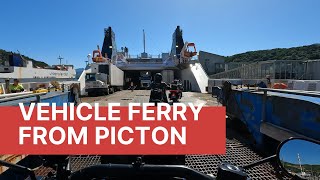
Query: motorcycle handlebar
125, 170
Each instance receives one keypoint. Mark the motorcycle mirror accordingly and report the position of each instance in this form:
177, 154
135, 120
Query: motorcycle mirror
299, 157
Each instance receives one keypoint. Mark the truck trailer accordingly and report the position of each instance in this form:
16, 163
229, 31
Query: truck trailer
104, 78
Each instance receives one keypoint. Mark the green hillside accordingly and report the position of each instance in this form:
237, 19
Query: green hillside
310, 52
306, 167
4, 56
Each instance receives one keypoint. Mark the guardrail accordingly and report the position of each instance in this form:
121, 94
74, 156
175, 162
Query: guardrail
295, 92
15, 96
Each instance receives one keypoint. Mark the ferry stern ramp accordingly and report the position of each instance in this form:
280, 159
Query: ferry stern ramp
194, 77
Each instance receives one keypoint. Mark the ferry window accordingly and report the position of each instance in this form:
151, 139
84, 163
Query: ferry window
145, 78
90, 77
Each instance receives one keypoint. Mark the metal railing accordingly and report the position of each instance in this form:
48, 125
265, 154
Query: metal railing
145, 62
250, 71
9, 97
148, 56
276, 69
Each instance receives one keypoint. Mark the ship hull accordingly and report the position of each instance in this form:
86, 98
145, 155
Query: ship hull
35, 73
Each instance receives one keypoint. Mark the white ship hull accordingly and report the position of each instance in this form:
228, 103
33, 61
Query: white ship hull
29, 74
34, 73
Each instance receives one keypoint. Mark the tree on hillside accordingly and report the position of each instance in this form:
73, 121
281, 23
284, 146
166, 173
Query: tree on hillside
296, 53
4, 56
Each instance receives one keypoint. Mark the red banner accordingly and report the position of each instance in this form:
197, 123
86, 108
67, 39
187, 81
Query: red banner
112, 130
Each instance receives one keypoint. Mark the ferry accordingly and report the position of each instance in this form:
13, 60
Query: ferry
19, 68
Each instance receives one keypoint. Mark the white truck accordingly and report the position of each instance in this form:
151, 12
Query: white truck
104, 78
145, 79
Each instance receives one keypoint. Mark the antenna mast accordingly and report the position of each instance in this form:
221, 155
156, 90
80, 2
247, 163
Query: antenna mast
60, 58
300, 164
144, 42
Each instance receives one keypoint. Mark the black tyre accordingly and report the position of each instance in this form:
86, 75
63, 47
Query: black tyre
90, 94
111, 90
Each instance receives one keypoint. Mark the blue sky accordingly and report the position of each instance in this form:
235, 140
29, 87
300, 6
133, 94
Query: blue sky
44, 29
308, 152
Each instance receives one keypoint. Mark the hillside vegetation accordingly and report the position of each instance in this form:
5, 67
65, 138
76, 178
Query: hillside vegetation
306, 167
310, 52
4, 56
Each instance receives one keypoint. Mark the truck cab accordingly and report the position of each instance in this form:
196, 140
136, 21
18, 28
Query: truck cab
104, 78
95, 83
145, 80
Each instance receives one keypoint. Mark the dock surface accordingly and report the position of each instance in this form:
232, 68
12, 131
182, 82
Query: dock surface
142, 96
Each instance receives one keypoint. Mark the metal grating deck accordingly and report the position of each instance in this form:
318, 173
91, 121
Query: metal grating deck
237, 154
80, 162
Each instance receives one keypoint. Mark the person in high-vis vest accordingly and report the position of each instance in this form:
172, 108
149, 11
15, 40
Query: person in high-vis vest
16, 87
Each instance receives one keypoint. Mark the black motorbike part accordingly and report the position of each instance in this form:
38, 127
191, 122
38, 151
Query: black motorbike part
229, 171
59, 163
174, 100
19, 168
53, 160
147, 159
278, 154
134, 171
174, 97
164, 159
158, 95
268, 159
174, 87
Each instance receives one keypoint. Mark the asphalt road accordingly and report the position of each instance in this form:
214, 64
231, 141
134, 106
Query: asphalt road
142, 96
